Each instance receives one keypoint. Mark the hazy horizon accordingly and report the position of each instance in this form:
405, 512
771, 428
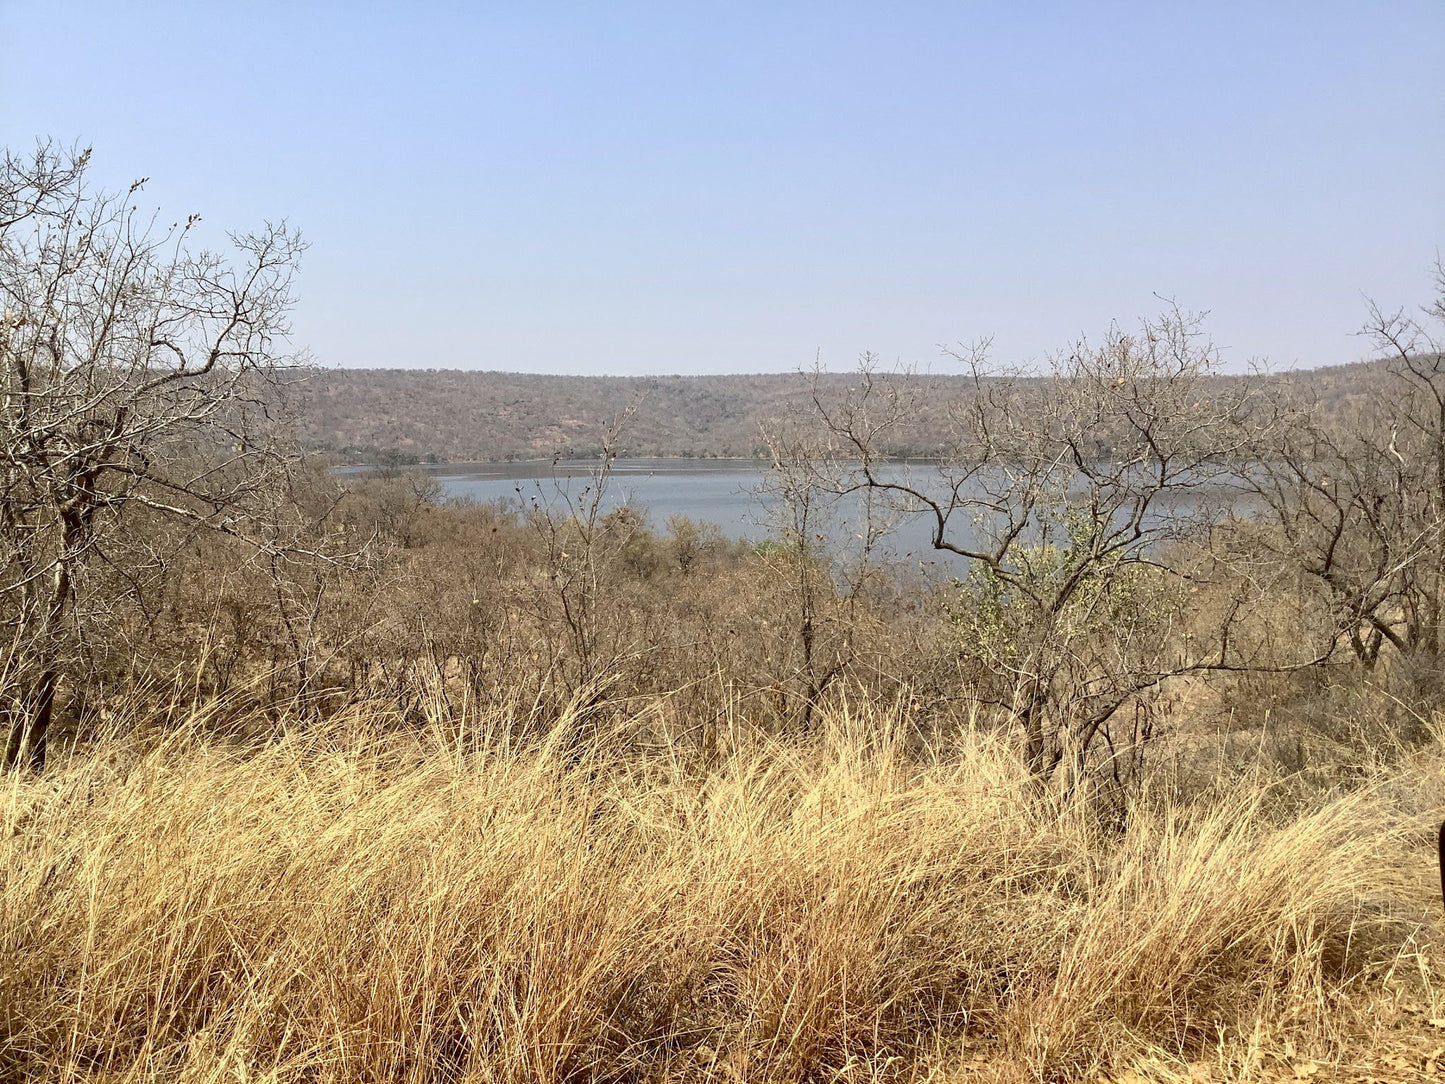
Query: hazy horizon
928, 367
652, 190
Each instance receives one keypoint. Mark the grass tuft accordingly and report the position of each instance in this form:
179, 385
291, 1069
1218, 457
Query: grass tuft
348, 903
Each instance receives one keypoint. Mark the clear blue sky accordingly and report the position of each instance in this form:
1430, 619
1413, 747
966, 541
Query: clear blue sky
700, 187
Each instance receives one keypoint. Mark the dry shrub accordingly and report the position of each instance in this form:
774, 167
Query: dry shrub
347, 903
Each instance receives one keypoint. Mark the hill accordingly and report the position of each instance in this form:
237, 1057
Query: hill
441, 415
450, 415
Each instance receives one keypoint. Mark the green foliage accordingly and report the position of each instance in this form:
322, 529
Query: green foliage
1054, 596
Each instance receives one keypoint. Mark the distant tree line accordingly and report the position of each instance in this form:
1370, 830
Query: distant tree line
438, 415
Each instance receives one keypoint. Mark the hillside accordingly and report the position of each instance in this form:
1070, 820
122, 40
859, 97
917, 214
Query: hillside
459, 416
450, 415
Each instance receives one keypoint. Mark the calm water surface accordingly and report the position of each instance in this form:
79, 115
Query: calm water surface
724, 492
727, 493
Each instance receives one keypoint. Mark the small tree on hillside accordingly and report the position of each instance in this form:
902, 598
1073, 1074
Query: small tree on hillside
134, 371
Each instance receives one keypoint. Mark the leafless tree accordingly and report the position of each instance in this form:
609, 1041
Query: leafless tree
136, 375
581, 539
1352, 494
1079, 505
822, 561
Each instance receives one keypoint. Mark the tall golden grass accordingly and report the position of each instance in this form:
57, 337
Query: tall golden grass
348, 903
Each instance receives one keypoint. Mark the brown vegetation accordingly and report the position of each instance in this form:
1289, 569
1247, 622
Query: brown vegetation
357, 901
440, 415
348, 782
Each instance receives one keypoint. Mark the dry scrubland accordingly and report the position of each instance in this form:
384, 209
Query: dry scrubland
411, 415
312, 781
349, 902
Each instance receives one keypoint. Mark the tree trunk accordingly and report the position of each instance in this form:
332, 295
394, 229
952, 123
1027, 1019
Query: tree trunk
26, 744
1040, 758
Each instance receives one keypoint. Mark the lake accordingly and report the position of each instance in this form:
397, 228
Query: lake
728, 493
725, 492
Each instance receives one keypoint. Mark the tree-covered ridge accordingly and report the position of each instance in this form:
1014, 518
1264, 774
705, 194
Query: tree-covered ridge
460, 416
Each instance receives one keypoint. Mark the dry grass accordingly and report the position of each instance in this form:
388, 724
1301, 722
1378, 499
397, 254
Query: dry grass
347, 904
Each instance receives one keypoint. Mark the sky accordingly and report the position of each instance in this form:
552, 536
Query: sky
750, 187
